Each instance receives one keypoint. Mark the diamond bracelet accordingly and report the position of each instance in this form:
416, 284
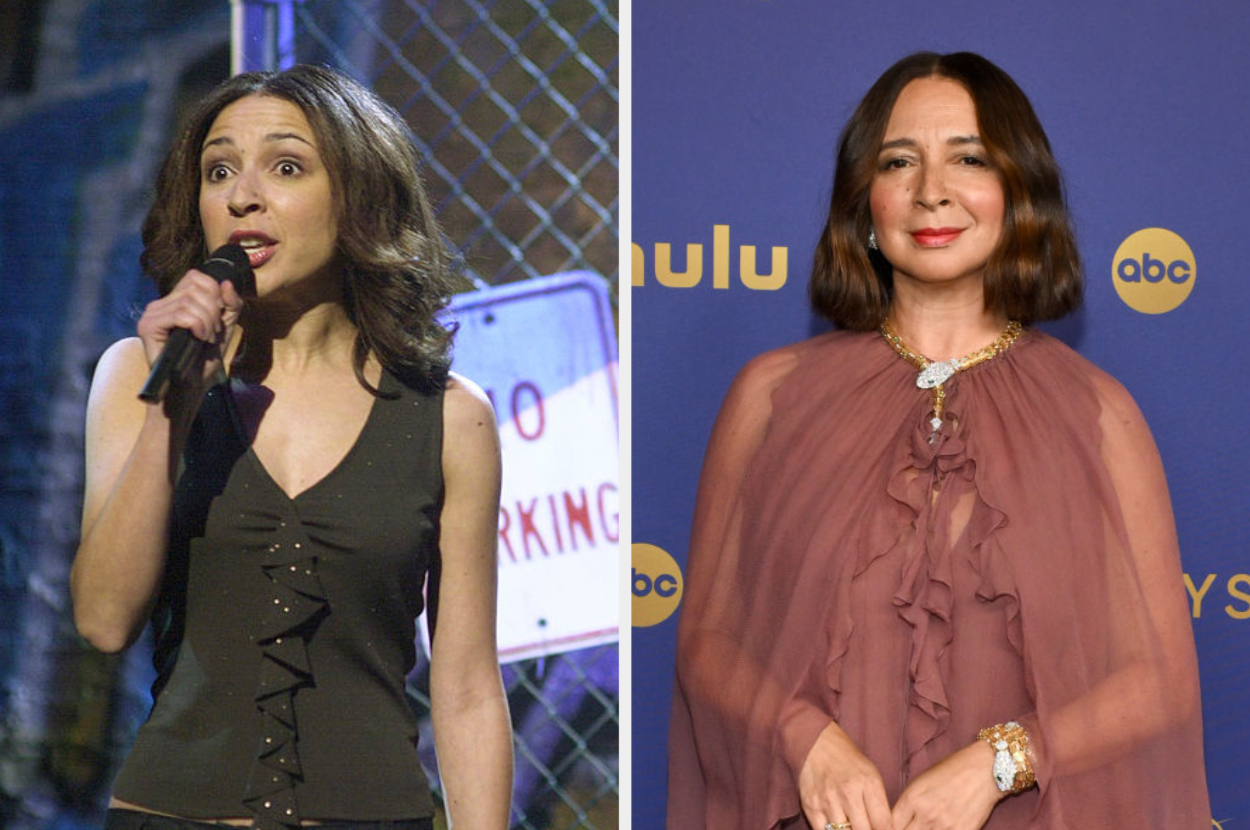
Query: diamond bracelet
1012, 771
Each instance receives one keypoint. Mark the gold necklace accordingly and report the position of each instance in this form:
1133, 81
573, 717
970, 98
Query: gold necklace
934, 373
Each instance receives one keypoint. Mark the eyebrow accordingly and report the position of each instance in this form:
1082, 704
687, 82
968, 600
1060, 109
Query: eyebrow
953, 141
270, 138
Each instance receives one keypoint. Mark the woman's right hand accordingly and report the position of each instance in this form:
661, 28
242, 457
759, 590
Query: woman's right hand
132, 455
839, 784
201, 305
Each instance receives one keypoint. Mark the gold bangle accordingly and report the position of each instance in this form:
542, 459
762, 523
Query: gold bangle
1013, 772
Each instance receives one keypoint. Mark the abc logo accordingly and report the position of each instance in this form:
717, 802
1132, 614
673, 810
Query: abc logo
1153, 271
655, 582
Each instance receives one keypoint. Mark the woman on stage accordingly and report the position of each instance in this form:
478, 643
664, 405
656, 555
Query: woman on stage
934, 580
277, 515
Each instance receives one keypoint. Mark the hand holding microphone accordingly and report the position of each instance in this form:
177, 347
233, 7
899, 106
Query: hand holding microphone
193, 317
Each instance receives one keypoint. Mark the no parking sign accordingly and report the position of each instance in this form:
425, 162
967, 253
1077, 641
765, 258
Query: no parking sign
545, 352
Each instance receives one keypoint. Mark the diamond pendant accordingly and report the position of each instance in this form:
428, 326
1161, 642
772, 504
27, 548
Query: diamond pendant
935, 374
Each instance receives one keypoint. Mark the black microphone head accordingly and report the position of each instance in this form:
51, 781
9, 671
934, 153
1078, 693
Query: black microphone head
229, 262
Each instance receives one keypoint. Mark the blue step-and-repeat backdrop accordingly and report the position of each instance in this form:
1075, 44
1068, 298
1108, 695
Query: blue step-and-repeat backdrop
736, 109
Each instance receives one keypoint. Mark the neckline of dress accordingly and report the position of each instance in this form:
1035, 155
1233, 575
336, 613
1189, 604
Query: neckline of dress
933, 374
236, 419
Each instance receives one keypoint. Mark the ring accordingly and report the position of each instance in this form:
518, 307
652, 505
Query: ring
841, 825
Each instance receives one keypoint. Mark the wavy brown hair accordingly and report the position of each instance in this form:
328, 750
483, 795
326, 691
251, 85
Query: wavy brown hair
398, 272
1033, 274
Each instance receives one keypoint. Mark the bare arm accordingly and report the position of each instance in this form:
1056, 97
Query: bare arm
471, 723
129, 486
131, 461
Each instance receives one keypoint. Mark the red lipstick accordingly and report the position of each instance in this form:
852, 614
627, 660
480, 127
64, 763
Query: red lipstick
936, 237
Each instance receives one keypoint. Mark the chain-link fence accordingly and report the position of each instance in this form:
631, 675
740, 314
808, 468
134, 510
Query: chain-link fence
514, 104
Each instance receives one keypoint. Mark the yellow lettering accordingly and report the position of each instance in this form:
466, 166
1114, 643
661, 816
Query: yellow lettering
1198, 593
722, 260
720, 256
638, 264
1233, 582
678, 279
763, 282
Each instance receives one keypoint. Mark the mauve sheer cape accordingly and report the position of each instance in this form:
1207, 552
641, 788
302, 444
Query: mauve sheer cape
1024, 566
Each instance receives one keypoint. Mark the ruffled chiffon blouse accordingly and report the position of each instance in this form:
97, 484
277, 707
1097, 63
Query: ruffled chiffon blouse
1022, 565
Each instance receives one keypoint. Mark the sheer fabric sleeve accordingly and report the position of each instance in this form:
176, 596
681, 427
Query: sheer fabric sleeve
1050, 524
727, 704
1117, 728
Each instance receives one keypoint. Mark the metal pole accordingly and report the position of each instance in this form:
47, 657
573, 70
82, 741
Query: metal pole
262, 35
285, 39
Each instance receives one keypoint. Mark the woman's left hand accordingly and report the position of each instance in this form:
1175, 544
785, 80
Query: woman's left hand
957, 793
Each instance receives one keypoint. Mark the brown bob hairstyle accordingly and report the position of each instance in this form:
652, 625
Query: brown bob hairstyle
1035, 271
397, 268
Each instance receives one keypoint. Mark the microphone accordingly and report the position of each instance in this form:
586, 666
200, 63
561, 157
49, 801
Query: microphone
229, 262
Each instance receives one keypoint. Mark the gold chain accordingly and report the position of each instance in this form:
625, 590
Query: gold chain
947, 368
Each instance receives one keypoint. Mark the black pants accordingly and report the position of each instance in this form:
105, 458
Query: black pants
136, 820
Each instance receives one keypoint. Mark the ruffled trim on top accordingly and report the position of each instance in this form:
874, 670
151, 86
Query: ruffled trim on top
826, 488
288, 620
924, 596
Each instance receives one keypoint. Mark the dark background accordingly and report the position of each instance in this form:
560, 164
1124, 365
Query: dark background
515, 106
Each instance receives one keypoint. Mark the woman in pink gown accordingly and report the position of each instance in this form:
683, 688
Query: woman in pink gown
934, 580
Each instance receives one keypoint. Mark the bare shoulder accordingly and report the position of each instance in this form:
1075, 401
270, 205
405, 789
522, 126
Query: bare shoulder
119, 374
122, 360
470, 434
115, 417
465, 405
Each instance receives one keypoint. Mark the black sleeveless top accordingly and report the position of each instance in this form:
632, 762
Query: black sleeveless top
285, 627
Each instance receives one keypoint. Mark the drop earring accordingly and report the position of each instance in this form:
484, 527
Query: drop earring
872, 239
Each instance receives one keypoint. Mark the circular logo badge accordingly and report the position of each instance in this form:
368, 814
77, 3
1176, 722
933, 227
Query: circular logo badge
656, 585
1153, 271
